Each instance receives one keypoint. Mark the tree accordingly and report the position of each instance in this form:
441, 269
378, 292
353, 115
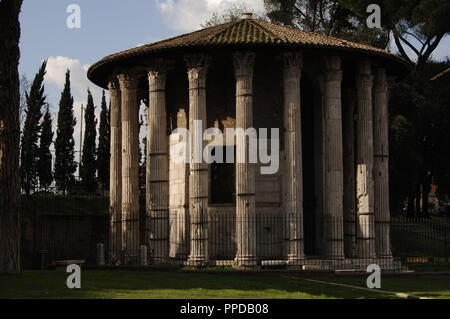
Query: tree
30, 136
65, 165
88, 158
44, 165
327, 17
9, 137
419, 121
233, 13
441, 96
417, 25
103, 152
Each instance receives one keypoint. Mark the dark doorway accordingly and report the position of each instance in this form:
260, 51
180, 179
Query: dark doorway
223, 187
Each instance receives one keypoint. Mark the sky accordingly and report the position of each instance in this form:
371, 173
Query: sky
108, 26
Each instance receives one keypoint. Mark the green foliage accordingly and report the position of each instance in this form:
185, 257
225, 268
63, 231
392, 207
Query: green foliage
65, 205
29, 144
103, 151
418, 137
328, 17
44, 167
233, 13
88, 159
65, 165
417, 25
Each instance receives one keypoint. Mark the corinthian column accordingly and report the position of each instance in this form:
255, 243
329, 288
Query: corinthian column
198, 179
157, 175
349, 174
245, 171
364, 160
115, 173
381, 164
130, 166
293, 63
333, 160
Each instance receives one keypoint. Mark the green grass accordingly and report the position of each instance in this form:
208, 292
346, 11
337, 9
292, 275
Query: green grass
438, 265
188, 285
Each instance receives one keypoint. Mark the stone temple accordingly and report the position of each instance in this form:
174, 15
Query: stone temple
326, 206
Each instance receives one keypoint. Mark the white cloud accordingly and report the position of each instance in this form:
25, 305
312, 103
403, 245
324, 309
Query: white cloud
187, 15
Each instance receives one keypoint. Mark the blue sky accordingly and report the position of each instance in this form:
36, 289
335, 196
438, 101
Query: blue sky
108, 26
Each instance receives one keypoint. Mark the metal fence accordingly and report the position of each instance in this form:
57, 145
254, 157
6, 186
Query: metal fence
421, 241
415, 242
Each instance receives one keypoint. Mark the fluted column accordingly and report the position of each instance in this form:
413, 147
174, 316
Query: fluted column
381, 164
364, 163
157, 174
333, 159
130, 166
349, 174
293, 63
115, 172
198, 179
245, 171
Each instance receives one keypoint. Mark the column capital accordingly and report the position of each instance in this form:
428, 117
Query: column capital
293, 64
113, 83
159, 68
197, 65
157, 72
244, 63
332, 69
128, 80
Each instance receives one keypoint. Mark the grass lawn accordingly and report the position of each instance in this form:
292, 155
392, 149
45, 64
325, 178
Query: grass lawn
184, 285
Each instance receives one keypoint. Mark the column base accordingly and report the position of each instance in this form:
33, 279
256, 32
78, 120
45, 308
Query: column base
245, 261
197, 262
385, 256
295, 261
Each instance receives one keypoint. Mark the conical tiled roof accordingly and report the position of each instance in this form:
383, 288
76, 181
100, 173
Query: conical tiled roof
243, 32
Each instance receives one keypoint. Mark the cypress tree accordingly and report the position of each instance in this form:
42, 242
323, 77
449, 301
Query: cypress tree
103, 152
88, 158
65, 165
29, 146
44, 168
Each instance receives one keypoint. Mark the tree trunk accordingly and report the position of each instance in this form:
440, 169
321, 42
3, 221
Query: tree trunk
9, 137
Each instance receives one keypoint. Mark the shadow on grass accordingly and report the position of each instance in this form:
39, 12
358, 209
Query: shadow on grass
177, 285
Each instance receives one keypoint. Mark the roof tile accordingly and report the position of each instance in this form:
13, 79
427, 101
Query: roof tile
244, 31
